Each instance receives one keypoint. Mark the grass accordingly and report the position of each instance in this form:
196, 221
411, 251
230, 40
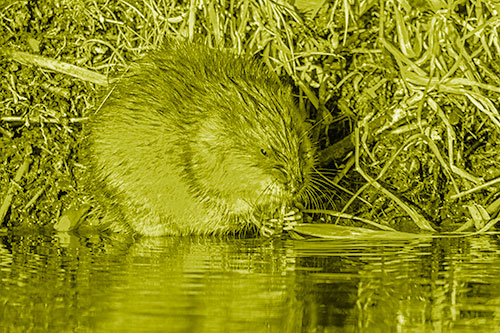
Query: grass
404, 97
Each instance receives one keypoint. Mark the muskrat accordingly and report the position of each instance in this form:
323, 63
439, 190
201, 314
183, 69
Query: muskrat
196, 140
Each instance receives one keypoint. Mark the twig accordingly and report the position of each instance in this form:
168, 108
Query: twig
475, 189
58, 66
35, 197
6, 133
348, 216
10, 194
34, 120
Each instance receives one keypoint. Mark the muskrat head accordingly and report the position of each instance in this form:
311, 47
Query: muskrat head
254, 155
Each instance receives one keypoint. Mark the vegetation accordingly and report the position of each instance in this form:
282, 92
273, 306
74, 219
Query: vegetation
403, 95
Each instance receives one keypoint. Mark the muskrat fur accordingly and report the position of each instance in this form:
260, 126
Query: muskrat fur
195, 140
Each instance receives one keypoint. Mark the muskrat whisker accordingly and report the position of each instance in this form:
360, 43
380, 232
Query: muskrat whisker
323, 190
326, 190
314, 191
317, 203
305, 198
326, 179
309, 196
312, 198
320, 182
327, 172
330, 201
321, 171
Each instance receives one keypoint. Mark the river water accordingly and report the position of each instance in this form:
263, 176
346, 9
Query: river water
63, 283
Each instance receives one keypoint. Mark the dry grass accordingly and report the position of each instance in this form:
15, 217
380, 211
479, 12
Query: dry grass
412, 89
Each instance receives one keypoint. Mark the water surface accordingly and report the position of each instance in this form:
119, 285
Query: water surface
65, 283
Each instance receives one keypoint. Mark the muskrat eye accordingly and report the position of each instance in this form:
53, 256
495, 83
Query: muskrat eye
263, 152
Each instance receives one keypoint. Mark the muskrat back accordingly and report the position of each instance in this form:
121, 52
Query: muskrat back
198, 140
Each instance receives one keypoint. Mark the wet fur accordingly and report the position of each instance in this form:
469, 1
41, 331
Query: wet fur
195, 140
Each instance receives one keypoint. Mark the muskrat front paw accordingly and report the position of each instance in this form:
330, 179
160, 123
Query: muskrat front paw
271, 227
291, 219
275, 226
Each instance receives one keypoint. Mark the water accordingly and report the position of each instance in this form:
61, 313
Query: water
69, 284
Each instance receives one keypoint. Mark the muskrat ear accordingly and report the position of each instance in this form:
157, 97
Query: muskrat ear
263, 152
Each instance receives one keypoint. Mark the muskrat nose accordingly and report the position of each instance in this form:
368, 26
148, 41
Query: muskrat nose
292, 187
290, 182
281, 175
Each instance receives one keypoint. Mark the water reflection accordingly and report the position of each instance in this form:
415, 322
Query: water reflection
233, 285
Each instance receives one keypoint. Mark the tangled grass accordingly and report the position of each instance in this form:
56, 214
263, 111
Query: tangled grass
404, 97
